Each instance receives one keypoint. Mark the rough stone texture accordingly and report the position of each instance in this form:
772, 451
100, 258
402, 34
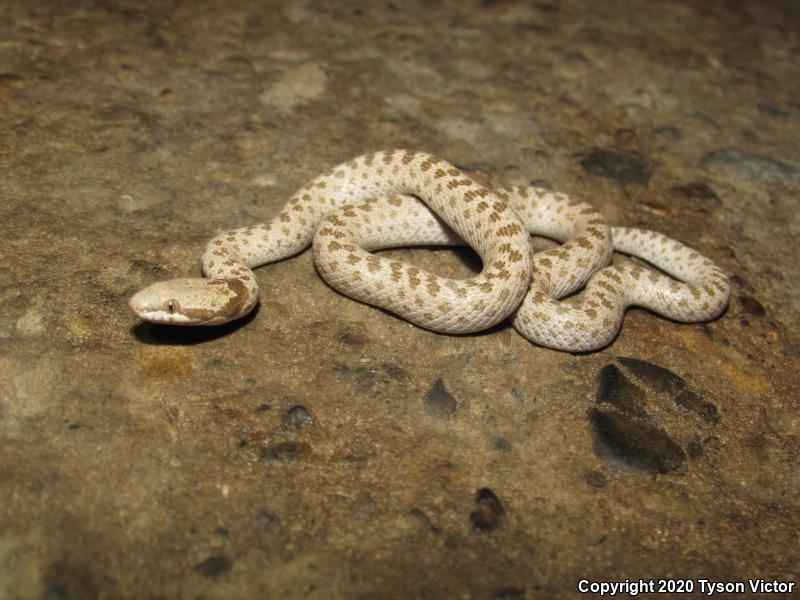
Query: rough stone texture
143, 462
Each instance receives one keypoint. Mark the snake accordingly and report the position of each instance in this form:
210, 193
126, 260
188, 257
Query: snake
570, 297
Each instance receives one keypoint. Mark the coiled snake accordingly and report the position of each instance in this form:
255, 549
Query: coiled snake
400, 198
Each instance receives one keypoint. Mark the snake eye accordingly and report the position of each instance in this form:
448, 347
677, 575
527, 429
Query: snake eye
172, 306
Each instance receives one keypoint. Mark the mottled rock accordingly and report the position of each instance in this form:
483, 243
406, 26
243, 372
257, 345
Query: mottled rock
499, 444
694, 448
750, 167
771, 111
595, 479
695, 404
298, 85
669, 133
214, 566
438, 401
621, 165
285, 452
699, 194
266, 517
394, 371
509, 591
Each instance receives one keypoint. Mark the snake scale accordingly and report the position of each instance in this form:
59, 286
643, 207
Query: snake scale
399, 198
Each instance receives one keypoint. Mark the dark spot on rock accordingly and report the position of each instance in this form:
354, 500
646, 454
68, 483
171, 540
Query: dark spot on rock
499, 444
263, 407
759, 447
750, 167
350, 337
628, 444
58, 592
9, 79
222, 532
694, 449
393, 371
438, 401
487, 512
70, 578
423, 518
669, 133
298, 416
518, 396
74, 426
698, 193
693, 403
615, 389
509, 591
595, 479
771, 111
214, 566
741, 283
621, 165
625, 135
659, 378
285, 452
752, 306
266, 517
363, 376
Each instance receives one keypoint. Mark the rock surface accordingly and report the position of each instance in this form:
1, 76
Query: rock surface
325, 449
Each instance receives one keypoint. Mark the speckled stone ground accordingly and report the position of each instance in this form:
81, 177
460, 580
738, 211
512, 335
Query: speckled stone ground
325, 449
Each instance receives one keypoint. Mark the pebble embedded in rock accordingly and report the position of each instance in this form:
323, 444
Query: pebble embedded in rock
438, 401
214, 566
699, 193
694, 403
629, 444
669, 133
771, 111
752, 306
393, 371
615, 389
750, 167
621, 165
266, 517
499, 444
694, 449
595, 479
661, 379
487, 512
285, 452
349, 337
298, 416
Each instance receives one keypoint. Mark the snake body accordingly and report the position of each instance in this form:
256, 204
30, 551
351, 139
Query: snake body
399, 198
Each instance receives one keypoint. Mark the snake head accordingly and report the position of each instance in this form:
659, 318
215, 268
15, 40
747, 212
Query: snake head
193, 301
